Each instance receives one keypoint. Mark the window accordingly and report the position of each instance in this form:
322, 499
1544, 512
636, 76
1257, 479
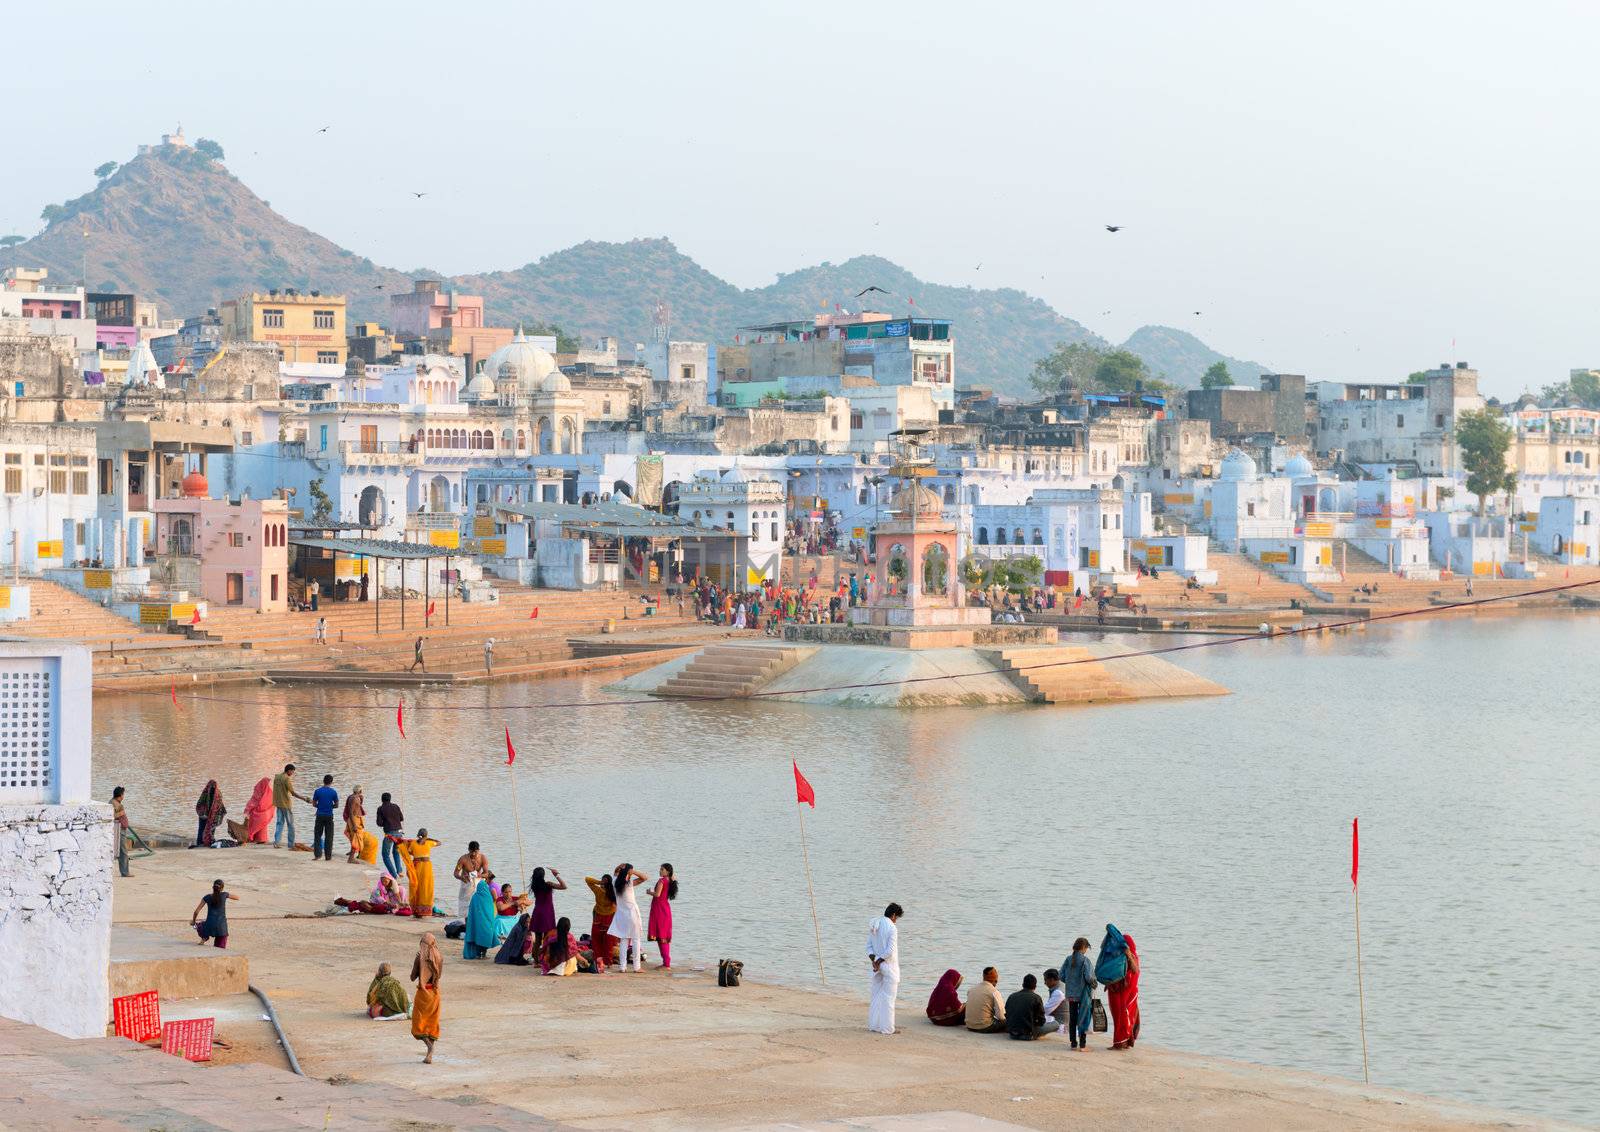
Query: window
686, 373
249, 392
1399, 420
324, 435
1438, 420
80, 483
236, 538
274, 587
856, 421
247, 439
322, 320
107, 477
13, 473
272, 319
605, 407
328, 357
58, 475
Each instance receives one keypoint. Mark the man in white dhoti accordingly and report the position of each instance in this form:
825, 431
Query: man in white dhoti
883, 949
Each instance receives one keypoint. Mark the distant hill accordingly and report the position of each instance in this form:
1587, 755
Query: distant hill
180, 229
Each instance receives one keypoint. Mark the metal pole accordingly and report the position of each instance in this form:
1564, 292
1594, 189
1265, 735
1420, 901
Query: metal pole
427, 605
1361, 993
447, 589
377, 596
402, 595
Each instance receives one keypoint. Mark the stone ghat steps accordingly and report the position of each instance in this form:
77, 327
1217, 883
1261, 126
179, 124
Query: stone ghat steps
1045, 677
59, 612
1248, 583
732, 670
110, 1083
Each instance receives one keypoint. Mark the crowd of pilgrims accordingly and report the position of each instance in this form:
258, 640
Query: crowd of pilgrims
521, 928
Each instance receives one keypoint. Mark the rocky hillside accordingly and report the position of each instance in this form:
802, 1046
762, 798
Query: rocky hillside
176, 227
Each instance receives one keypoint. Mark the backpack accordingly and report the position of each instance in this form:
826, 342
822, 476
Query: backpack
728, 971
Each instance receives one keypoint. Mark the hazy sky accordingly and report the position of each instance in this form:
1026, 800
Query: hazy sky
1340, 189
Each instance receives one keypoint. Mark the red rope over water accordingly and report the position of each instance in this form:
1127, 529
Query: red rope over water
1162, 651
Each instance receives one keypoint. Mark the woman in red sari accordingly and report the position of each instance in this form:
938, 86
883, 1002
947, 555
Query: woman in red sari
258, 811
945, 1007
1123, 998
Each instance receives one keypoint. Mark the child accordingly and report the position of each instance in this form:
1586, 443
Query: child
215, 929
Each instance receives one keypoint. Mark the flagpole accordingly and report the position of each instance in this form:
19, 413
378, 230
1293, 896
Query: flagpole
516, 816
1361, 994
805, 855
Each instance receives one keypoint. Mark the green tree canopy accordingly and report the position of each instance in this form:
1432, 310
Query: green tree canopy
565, 343
1581, 390
208, 148
11, 241
1418, 377
105, 169
1484, 440
1216, 377
50, 213
1066, 369
1120, 371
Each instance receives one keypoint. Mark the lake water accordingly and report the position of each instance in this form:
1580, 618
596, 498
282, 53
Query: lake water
1216, 832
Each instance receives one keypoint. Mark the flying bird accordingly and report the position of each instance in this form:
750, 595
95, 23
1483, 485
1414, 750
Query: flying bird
323, 130
978, 268
1113, 227
419, 196
1196, 312
880, 291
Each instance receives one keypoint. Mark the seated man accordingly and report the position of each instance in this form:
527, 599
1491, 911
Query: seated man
1025, 1020
986, 1014
1055, 1005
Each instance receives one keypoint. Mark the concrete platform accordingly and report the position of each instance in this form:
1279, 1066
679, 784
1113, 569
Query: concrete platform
877, 676
142, 961
950, 636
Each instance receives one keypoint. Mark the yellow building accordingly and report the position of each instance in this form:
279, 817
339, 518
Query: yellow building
305, 326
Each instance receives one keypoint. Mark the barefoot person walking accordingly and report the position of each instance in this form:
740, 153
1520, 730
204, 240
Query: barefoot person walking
425, 971
883, 950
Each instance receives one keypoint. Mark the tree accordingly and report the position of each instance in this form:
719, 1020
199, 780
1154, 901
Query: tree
1420, 377
1120, 371
321, 505
208, 148
1484, 440
11, 241
105, 170
1217, 377
50, 213
1069, 368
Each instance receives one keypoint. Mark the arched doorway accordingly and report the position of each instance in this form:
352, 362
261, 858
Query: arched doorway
545, 435
621, 488
180, 540
935, 570
569, 435
439, 494
370, 507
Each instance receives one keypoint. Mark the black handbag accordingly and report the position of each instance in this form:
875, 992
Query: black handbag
1099, 1013
728, 971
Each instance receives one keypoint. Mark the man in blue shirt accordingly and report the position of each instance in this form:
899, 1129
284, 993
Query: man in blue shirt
326, 799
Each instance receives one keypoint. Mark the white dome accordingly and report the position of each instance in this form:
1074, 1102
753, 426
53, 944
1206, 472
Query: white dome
142, 368
481, 387
1237, 465
523, 366
1298, 466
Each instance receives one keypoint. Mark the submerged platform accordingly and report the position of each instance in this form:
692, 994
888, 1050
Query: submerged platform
870, 675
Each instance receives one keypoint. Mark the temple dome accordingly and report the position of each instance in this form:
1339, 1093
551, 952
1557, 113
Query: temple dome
1237, 465
914, 495
195, 486
481, 387
522, 366
1298, 466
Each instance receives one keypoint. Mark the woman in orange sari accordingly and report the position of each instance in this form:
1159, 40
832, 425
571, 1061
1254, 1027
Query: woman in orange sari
258, 812
426, 969
355, 823
417, 855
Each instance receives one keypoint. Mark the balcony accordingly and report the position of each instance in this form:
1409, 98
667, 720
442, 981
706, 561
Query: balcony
369, 452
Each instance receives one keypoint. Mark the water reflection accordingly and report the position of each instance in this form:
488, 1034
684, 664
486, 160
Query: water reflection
1215, 831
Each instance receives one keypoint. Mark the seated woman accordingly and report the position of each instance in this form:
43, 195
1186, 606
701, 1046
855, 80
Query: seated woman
507, 907
511, 951
560, 950
388, 897
386, 998
945, 1007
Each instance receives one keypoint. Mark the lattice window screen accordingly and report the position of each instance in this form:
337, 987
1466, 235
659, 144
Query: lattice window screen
29, 747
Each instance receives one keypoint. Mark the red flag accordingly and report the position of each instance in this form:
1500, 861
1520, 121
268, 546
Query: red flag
535, 614
174, 693
802, 788
911, 301
511, 752
430, 610
1355, 849
400, 718
195, 620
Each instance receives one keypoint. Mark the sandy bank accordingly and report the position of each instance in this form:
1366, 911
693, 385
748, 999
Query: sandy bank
654, 1050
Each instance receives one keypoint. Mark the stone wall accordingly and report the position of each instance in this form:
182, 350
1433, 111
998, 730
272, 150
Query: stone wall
55, 916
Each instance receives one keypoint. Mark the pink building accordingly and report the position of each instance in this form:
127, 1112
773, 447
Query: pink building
109, 337
428, 308
242, 548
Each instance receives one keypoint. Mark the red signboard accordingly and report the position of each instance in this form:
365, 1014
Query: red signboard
138, 1016
189, 1039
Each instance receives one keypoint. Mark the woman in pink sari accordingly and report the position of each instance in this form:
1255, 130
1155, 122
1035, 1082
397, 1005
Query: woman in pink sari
661, 896
258, 812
